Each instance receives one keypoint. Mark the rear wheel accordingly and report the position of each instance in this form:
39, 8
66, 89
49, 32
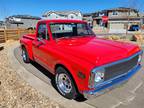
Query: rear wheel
65, 84
25, 55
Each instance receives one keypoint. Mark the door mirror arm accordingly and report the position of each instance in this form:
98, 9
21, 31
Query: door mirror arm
39, 39
42, 42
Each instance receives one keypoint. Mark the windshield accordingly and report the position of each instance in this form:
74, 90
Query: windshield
64, 30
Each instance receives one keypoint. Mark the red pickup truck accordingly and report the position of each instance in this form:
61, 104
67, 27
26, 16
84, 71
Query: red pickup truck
81, 62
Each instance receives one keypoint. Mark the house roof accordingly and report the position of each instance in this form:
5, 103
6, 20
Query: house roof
122, 9
87, 14
61, 13
25, 17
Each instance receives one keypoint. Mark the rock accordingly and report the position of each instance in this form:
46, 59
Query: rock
1, 48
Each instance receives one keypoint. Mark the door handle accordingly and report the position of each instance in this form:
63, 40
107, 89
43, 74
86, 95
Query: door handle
35, 44
38, 44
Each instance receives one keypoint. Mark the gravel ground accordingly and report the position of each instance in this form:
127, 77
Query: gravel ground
14, 92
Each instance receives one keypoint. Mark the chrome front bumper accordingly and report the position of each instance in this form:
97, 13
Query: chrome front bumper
110, 84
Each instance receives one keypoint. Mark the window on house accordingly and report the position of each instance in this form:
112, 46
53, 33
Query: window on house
72, 17
101, 14
115, 13
48, 15
62, 15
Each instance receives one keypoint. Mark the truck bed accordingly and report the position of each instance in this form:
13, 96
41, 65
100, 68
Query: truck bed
30, 36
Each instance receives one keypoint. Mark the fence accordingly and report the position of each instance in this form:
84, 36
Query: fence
13, 34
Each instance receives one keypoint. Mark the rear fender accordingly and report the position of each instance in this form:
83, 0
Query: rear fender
28, 45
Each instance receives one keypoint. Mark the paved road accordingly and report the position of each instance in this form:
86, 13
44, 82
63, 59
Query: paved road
130, 95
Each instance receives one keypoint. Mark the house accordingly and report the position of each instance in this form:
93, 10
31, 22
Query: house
73, 15
88, 18
21, 21
119, 19
142, 21
142, 18
122, 18
97, 18
2, 24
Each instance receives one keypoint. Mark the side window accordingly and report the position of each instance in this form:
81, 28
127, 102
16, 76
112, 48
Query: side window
43, 32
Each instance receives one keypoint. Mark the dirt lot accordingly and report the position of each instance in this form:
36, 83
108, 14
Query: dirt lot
14, 92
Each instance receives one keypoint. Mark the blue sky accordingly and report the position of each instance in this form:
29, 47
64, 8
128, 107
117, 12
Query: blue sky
37, 7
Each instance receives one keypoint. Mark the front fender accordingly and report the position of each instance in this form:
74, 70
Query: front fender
75, 71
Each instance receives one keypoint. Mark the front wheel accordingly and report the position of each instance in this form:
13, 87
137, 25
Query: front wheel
65, 84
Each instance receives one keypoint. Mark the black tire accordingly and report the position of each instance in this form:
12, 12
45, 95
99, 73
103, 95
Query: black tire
72, 93
25, 55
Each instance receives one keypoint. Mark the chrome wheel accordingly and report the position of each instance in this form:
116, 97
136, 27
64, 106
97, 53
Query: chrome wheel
64, 83
24, 55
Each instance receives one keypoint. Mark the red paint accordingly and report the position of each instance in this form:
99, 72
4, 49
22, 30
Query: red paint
78, 54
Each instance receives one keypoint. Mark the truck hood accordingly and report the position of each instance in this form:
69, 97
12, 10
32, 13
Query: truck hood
95, 50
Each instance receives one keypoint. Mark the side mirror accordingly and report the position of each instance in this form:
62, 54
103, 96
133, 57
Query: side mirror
39, 39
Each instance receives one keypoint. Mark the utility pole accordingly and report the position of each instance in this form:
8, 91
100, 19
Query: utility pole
132, 4
128, 18
4, 12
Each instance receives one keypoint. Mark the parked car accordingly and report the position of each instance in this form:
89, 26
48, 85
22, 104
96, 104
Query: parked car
81, 62
134, 28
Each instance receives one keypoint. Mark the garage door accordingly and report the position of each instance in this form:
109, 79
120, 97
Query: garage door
116, 26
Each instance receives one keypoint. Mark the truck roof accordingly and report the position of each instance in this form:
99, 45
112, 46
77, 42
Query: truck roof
63, 20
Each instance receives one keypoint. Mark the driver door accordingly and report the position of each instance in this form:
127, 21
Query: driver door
40, 46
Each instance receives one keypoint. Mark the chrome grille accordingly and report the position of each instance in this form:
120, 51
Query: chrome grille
120, 68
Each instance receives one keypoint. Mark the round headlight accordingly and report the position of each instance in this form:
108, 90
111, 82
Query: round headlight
96, 76
140, 59
99, 76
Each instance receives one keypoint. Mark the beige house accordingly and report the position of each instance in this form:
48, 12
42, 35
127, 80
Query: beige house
73, 15
120, 19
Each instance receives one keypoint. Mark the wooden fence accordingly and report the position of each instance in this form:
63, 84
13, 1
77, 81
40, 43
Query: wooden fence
13, 34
